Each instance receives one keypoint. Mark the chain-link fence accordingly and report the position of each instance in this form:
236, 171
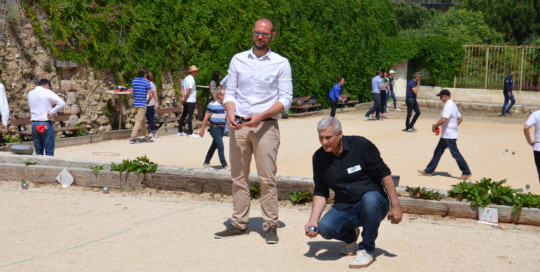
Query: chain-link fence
486, 66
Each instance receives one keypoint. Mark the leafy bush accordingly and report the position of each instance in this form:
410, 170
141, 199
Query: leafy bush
12, 139
139, 165
301, 197
423, 193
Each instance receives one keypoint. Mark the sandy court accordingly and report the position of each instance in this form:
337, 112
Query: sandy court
79, 229
483, 139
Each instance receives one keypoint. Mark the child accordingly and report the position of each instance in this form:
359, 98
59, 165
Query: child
215, 114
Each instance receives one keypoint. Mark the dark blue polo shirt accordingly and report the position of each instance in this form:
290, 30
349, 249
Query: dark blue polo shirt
508, 84
412, 84
358, 169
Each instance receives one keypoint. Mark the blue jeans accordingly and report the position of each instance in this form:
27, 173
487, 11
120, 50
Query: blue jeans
411, 105
506, 98
367, 213
150, 113
439, 150
376, 106
217, 143
45, 140
393, 98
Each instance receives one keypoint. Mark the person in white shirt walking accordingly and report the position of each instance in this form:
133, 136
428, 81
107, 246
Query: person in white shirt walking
4, 111
41, 100
450, 119
534, 120
259, 88
189, 100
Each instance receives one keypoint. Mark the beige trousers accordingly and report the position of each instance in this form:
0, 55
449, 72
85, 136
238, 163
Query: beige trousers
140, 121
261, 142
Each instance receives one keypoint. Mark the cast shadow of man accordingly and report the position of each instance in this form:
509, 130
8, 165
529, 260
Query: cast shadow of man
443, 174
330, 251
255, 225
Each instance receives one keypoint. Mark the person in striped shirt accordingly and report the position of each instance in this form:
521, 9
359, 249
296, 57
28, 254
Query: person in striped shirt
216, 116
139, 90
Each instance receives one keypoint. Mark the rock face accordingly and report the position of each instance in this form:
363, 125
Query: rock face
24, 61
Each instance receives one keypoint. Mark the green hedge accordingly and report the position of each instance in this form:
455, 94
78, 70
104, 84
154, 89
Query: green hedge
322, 39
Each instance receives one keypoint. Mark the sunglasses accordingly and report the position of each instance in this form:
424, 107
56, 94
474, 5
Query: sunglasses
257, 33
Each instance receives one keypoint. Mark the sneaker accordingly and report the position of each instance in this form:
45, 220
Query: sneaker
229, 232
271, 236
151, 136
181, 134
397, 109
133, 141
424, 173
387, 110
226, 168
362, 259
405, 130
194, 135
143, 140
367, 118
411, 130
206, 165
350, 249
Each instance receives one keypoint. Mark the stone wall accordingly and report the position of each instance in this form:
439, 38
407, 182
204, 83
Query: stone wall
24, 61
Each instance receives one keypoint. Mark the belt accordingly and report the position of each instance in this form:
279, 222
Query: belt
247, 120
213, 125
48, 121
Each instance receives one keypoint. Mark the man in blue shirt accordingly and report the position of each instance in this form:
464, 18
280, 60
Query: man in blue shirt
507, 92
139, 91
376, 87
334, 95
217, 117
412, 90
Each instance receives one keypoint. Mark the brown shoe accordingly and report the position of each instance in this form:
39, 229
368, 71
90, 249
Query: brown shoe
424, 173
464, 177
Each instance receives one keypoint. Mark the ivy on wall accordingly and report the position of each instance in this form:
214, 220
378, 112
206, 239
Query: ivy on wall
322, 39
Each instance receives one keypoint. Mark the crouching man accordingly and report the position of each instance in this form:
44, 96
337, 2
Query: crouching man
352, 167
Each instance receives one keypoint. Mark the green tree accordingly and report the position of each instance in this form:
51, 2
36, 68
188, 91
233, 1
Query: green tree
517, 19
412, 16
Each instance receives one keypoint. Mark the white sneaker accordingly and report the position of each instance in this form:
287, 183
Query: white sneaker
226, 168
181, 134
350, 249
206, 165
362, 259
397, 109
194, 135
387, 110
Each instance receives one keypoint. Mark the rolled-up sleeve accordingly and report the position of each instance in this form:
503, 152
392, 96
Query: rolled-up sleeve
59, 103
232, 83
285, 86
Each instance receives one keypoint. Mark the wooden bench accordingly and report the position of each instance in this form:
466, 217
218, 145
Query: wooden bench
348, 102
26, 133
302, 104
173, 115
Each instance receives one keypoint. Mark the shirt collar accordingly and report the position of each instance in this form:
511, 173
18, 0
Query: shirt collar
266, 56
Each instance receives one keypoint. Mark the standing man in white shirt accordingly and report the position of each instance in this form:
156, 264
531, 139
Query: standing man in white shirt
450, 119
189, 100
259, 88
41, 100
4, 111
534, 120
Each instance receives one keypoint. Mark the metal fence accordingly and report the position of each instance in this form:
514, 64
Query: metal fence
486, 66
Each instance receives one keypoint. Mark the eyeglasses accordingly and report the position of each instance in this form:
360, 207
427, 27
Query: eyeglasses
257, 33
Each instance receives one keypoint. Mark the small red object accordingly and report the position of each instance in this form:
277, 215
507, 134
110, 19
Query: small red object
437, 131
41, 128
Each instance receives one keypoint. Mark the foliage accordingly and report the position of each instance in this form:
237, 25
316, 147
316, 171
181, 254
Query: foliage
486, 192
29, 163
96, 169
12, 139
412, 16
139, 165
423, 193
254, 192
48, 67
301, 197
12, 12
516, 19
80, 132
465, 25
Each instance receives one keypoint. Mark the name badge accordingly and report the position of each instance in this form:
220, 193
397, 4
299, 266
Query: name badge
353, 169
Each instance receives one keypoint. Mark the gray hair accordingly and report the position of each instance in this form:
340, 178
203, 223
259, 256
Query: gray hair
330, 121
416, 74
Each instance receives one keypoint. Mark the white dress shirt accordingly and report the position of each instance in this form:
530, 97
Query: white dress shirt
40, 101
449, 129
256, 84
4, 108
